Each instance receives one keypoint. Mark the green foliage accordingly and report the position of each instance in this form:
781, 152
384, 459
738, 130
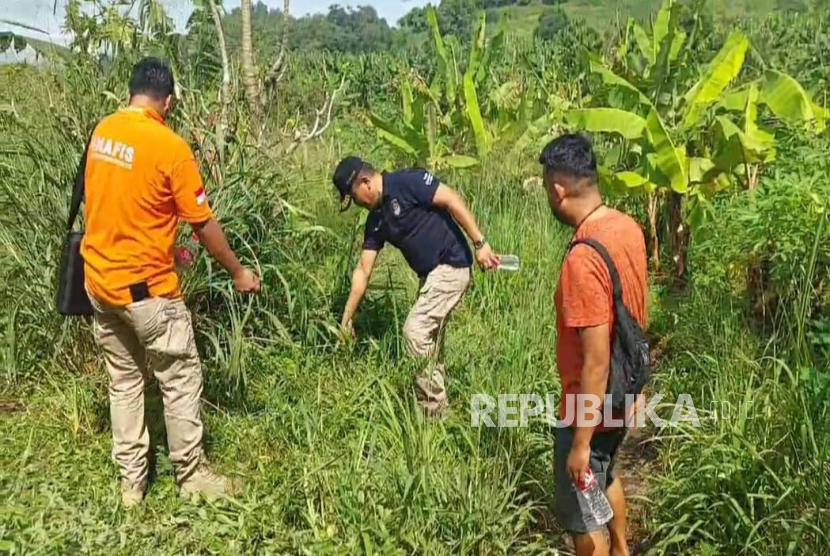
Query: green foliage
680, 151
551, 24
451, 102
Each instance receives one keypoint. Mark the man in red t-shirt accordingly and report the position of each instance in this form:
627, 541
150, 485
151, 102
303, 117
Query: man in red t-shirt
584, 326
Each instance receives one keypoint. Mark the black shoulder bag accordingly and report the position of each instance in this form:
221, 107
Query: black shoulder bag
630, 357
72, 299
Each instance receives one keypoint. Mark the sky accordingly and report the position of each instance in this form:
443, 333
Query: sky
43, 15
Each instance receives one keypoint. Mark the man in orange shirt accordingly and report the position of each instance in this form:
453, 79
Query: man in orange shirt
140, 179
584, 325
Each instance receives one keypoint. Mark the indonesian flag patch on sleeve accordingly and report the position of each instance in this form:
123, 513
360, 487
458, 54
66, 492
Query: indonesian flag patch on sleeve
200, 196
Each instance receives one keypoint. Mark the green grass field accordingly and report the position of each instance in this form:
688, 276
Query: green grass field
323, 435
600, 13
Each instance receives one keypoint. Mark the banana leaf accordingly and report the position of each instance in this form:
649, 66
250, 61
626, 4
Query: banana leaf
644, 43
632, 180
755, 135
460, 161
432, 131
701, 169
668, 159
734, 149
474, 115
789, 101
445, 69
607, 120
531, 135
667, 33
479, 45
723, 68
735, 100
406, 101
662, 27
388, 133
698, 210
611, 78
625, 183
418, 114
507, 96
493, 51
677, 45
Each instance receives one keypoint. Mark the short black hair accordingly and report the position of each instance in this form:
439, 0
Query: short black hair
152, 77
572, 155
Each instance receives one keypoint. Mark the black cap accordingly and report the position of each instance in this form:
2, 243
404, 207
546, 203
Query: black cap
345, 173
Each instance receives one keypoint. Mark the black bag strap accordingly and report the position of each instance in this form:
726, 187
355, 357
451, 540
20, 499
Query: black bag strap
78, 188
612, 269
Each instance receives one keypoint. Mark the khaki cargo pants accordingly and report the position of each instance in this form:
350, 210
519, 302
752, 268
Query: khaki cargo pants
440, 293
155, 335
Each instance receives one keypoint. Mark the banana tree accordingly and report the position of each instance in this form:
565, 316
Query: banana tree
448, 109
420, 134
682, 148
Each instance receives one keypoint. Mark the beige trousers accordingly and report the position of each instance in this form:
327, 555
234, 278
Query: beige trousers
154, 335
440, 293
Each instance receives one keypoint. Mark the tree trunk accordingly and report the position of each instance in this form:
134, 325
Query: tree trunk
249, 78
654, 242
225, 91
278, 68
680, 236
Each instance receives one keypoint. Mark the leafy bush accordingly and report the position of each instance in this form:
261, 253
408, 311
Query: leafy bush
770, 246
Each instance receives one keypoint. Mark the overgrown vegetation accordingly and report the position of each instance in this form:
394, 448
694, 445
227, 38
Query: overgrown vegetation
709, 130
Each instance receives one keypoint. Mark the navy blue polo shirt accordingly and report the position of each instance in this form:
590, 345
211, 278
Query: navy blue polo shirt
427, 236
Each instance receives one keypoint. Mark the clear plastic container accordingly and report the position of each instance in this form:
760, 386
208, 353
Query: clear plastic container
592, 501
509, 263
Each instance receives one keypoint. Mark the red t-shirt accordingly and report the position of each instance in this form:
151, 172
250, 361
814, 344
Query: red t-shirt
584, 295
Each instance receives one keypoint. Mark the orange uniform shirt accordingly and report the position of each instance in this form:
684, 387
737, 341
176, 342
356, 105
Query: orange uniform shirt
584, 296
140, 179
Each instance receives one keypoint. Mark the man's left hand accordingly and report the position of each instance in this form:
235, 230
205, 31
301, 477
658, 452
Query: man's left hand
486, 259
578, 461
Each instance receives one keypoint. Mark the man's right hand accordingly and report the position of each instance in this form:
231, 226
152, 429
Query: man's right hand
486, 259
346, 329
246, 281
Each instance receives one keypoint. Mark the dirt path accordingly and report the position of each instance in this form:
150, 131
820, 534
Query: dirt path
636, 461
634, 464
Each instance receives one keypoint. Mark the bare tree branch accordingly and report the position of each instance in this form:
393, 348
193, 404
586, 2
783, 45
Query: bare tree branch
277, 70
319, 126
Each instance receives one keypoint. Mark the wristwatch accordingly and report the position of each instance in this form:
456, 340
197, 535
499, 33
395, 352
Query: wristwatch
480, 243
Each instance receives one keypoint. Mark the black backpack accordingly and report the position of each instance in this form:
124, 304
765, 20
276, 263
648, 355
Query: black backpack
630, 357
72, 299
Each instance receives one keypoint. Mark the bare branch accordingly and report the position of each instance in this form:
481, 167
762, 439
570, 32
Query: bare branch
318, 128
277, 70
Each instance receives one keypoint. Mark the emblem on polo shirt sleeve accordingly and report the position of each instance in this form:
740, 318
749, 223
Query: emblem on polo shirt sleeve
396, 208
200, 196
428, 177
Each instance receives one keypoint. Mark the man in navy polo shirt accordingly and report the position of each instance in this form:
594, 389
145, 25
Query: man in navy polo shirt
423, 218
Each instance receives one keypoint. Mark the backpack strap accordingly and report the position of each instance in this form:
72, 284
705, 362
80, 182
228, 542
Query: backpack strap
78, 188
612, 269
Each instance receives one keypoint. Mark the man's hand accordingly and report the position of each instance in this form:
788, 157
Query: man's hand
485, 257
579, 461
246, 281
346, 329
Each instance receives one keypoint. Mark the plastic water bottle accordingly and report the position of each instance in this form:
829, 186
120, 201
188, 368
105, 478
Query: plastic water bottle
592, 501
509, 263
